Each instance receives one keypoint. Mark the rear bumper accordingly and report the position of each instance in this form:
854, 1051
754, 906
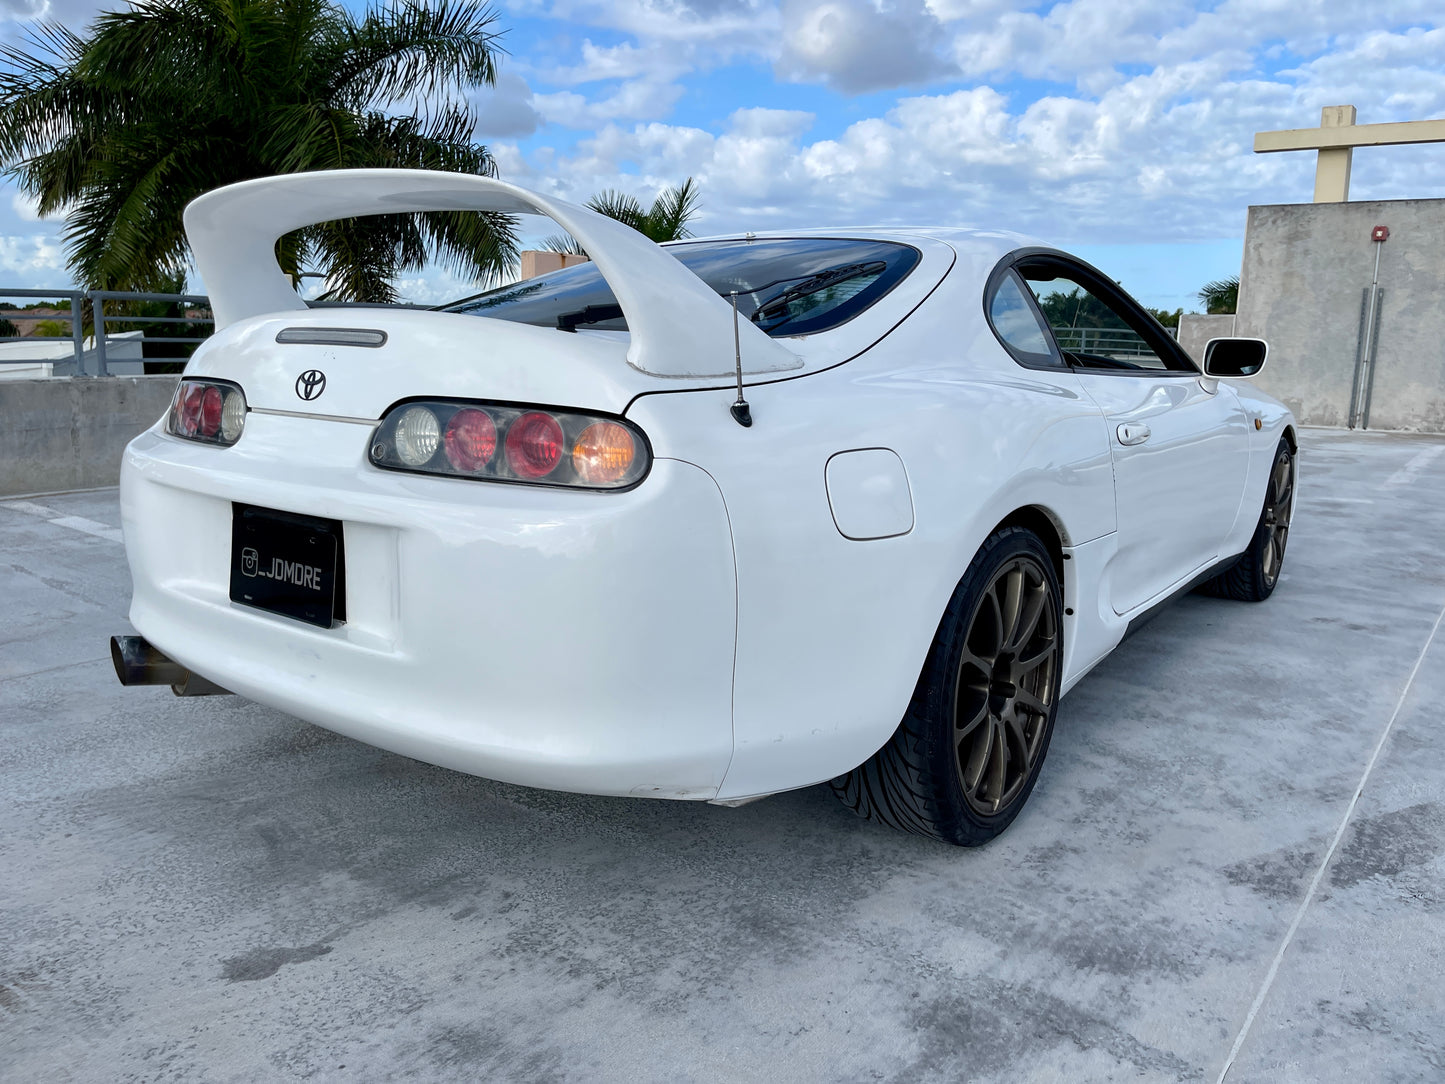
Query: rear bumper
569, 640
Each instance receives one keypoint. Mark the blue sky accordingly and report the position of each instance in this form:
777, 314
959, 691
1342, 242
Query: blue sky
1119, 129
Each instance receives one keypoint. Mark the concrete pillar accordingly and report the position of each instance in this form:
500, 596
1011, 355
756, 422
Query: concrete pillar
1332, 172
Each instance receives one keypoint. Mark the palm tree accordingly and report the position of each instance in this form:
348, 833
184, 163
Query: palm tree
121, 129
1221, 296
665, 220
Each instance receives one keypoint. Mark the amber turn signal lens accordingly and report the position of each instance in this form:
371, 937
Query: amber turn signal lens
603, 453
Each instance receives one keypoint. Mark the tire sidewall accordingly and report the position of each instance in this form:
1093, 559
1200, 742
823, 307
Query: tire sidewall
939, 688
1263, 586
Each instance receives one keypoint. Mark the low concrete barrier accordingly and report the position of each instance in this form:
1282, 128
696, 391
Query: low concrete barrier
1195, 331
69, 432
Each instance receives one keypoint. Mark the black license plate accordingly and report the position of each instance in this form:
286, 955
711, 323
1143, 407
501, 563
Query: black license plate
288, 564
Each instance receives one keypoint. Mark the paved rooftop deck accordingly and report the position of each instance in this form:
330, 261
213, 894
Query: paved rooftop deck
205, 889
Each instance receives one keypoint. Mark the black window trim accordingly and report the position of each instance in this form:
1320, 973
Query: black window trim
1094, 280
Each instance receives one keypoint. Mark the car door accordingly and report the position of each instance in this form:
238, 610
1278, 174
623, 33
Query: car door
1179, 442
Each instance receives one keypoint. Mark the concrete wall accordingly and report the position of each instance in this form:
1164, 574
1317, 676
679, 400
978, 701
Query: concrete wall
1306, 270
539, 261
68, 432
1195, 331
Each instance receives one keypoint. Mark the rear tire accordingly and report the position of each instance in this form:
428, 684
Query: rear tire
1254, 576
965, 758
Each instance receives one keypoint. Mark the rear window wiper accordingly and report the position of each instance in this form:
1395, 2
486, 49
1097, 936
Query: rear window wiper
778, 306
592, 314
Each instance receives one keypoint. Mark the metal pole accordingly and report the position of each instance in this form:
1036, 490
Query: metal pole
1367, 356
1364, 370
98, 306
1379, 293
77, 330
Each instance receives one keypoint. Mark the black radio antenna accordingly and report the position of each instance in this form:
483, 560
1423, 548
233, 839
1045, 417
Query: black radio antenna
741, 412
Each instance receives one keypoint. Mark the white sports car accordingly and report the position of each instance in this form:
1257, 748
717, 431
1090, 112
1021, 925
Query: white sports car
706, 521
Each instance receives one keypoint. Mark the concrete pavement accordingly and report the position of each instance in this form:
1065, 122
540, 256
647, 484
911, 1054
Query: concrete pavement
206, 889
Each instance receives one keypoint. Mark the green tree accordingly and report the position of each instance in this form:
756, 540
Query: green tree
665, 220
1077, 309
1165, 317
8, 329
120, 129
1221, 296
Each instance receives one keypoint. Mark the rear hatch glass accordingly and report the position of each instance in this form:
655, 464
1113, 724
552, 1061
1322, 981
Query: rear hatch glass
786, 286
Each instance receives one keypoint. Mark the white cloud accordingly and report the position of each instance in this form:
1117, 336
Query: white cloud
624, 61
1162, 156
861, 45
635, 100
506, 109
718, 24
34, 258
73, 13
26, 209
20, 10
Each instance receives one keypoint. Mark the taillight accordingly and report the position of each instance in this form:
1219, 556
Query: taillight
471, 439
534, 445
493, 442
210, 411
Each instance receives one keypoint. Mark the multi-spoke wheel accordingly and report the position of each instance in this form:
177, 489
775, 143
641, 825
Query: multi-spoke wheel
1253, 577
964, 759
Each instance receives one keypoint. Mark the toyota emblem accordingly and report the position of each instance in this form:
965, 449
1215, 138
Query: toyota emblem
310, 384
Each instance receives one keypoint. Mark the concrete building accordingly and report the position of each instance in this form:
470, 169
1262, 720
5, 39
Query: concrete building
1350, 296
1337, 356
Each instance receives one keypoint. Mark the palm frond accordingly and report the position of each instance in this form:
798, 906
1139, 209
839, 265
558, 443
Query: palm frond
1220, 296
562, 242
621, 206
406, 50
122, 126
667, 219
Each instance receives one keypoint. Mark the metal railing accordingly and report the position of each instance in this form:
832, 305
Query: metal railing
88, 312
75, 317
1110, 342
98, 298
96, 359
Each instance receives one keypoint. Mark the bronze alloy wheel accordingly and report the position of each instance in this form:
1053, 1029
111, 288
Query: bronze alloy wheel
1253, 575
1006, 685
1278, 507
971, 745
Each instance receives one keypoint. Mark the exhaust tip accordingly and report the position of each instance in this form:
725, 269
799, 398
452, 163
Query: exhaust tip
137, 662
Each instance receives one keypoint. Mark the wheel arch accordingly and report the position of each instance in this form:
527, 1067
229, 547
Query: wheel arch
1292, 439
1044, 523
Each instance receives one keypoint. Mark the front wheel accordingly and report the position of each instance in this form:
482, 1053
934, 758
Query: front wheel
967, 754
1253, 577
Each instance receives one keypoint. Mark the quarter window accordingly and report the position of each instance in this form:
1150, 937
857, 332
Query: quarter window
1017, 324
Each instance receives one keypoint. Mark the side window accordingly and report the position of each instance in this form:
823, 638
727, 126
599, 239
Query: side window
1092, 333
1017, 324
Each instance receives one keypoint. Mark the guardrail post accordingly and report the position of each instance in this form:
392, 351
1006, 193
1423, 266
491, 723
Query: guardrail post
77, 330
98, 307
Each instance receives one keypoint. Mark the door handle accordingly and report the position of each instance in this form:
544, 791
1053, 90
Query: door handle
1131, 433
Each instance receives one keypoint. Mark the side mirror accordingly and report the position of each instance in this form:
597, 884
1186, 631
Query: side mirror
1234, 357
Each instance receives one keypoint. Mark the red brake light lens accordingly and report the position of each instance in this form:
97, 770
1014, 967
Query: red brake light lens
471, 439
209, 411
502, 443
534, 445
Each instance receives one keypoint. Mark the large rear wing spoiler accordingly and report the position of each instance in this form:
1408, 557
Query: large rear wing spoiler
679, 326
